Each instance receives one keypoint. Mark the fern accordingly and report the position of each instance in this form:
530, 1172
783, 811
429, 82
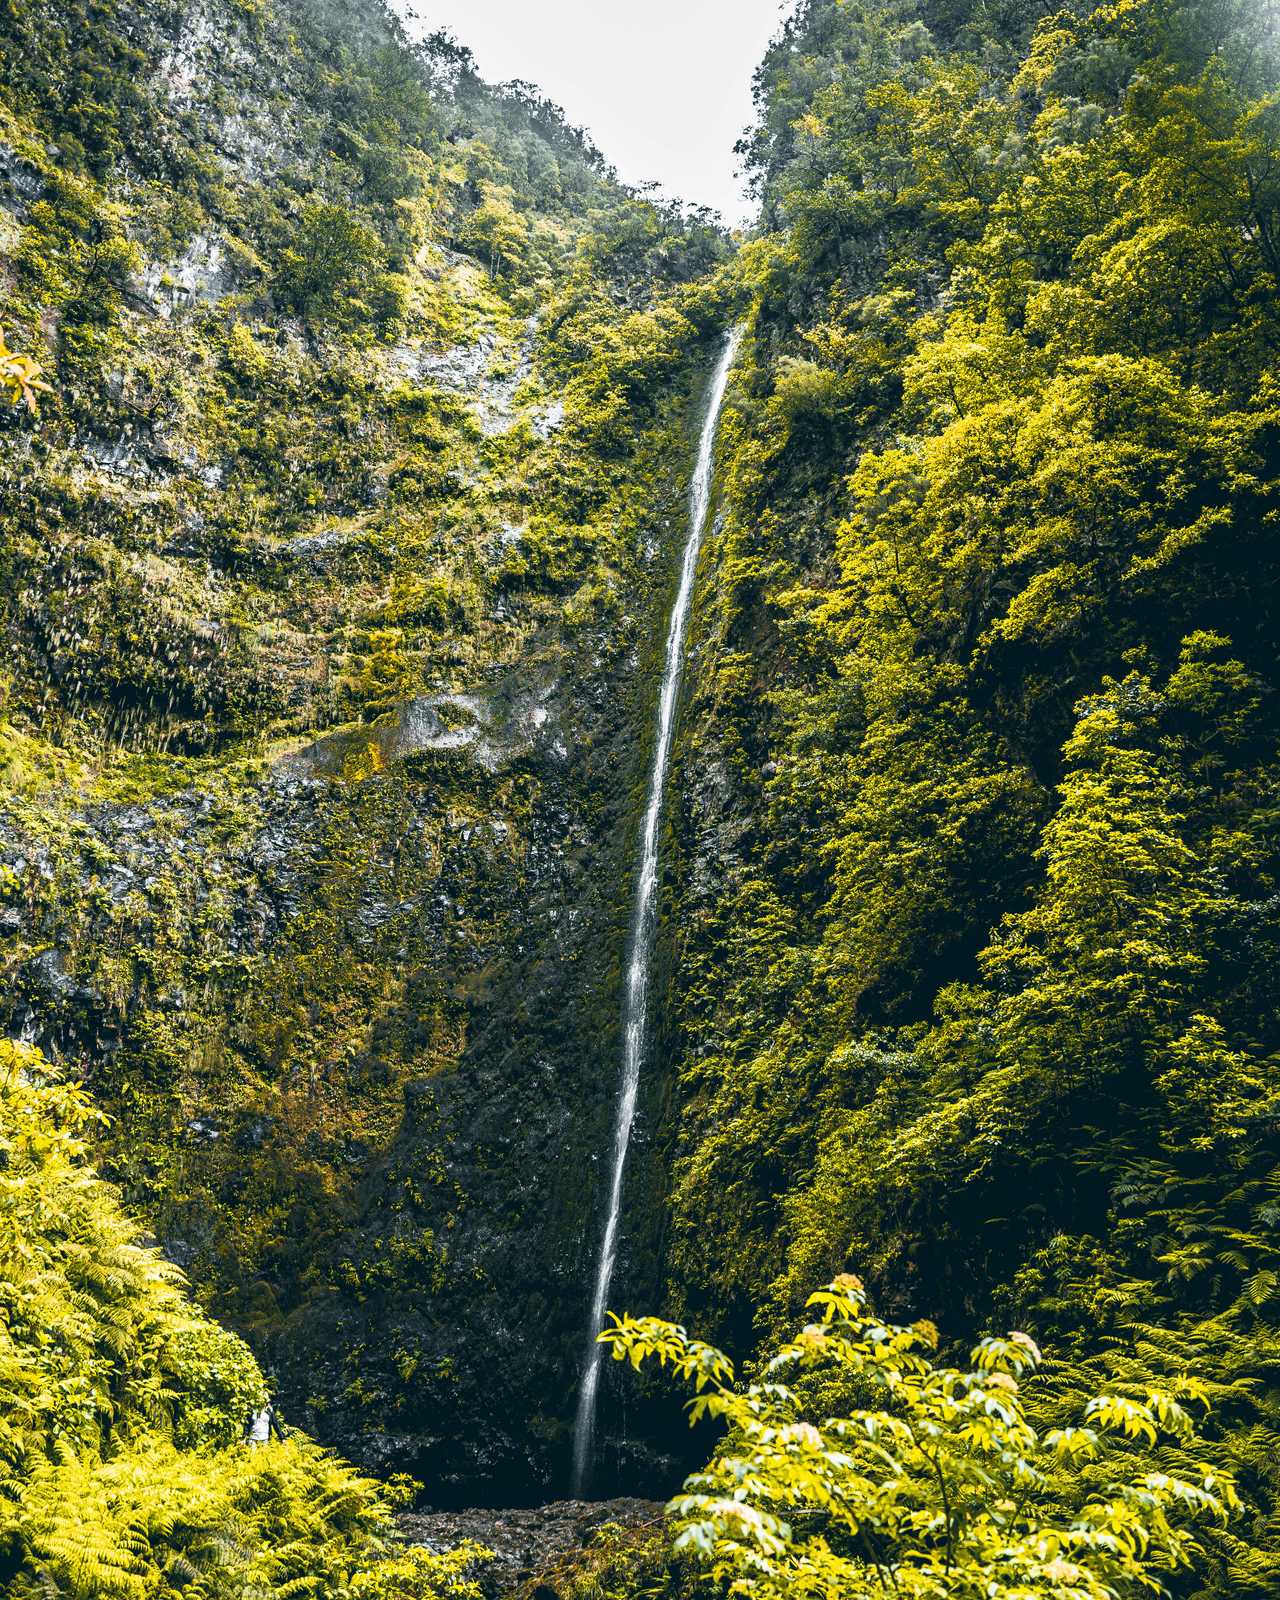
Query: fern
123, 1472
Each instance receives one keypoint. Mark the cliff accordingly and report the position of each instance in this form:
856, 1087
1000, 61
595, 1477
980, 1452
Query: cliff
333, 565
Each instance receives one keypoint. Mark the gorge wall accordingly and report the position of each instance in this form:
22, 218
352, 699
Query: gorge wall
336, 567
335, 571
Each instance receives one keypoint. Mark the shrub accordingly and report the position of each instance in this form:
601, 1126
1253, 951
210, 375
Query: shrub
929, 1482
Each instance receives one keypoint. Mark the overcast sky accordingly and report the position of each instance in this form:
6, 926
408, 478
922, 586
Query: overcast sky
662, 86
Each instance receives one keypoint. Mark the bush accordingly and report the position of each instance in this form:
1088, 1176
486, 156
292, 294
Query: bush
123, 1470
929, 1482
334, 272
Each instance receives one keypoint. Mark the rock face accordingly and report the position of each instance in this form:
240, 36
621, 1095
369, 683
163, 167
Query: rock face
334, 566
472, 1261
459, 869
200, 274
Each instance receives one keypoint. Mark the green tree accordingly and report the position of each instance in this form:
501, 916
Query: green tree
334, 270
495, 230
930, 1481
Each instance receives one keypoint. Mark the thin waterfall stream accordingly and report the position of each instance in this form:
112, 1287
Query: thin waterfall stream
644, 917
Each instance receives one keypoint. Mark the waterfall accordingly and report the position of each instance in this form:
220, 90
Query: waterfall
644, 917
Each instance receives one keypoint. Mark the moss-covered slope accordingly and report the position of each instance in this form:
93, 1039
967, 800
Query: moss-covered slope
975, 981
330, 566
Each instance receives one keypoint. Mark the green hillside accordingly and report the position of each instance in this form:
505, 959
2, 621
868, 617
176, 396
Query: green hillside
978, 998
338, 542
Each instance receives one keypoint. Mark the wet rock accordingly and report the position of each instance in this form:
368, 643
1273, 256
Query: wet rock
120, 881
120, 457
180, 1251
495, 727
199, 276
19, 181
47, 973
255, 1134
549, 420
319, 551
479, 373
525, 1540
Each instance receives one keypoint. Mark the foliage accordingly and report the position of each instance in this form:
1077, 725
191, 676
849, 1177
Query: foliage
334, 270
974, 970
20, 376
496, 231
619, 1561
123, 1467
371, 398
370, 392
935, 1484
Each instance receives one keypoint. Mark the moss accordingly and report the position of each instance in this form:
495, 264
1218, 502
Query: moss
620, 1561
260, 514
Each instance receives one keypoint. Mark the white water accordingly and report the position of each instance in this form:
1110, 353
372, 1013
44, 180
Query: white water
644, 918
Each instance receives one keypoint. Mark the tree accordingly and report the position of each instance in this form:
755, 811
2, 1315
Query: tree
334, 271
930, 1482
496, 231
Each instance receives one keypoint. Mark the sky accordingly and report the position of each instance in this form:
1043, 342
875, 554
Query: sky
662, 86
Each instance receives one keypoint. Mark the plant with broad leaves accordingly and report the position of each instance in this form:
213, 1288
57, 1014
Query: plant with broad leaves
935, 1484
20, 378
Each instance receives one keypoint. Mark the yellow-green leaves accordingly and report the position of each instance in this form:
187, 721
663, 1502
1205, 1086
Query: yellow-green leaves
638, 1340
20, 376
941, 1490
495, 230
123, 1469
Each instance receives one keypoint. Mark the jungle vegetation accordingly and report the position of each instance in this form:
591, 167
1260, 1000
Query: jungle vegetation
123, 1467
368, 394
973, 916
982, 1004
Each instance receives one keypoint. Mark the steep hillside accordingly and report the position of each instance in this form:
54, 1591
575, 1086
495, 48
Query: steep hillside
331, 564
974, 988
336, 562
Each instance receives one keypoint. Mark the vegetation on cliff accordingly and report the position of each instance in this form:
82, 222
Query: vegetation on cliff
123, 1411
333, 559
975, 976
330, 563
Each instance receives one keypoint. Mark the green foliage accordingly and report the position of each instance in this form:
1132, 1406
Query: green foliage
82, 66
420, 1574
620, 1561
975, 975
312, 477
930, 1481
282, 1520
495, 231
19, 376
975, 963
93, 1316
217, 1382
334, 271
123, 1467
